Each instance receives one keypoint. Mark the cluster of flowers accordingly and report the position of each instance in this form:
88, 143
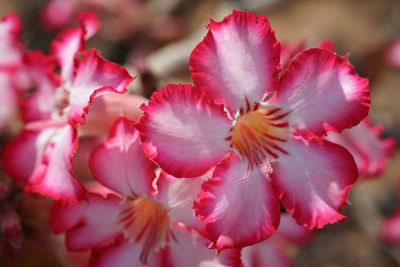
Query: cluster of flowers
263, 126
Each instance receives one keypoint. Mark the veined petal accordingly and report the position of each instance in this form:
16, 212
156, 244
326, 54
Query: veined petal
53, 177
313, 180
390, 230
188, 249
94, 76
40, 105
89, 223
120, 162
183, 131
237, 212
124, 253
177, 196
237, 63
365, 144
322, 92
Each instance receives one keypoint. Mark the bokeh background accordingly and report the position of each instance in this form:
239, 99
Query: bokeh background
154, 39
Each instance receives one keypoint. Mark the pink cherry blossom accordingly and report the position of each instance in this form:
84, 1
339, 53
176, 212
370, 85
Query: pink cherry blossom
260, 133
140, 222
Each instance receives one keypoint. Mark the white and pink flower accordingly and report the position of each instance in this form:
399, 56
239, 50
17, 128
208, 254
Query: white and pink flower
41, 154
260, 133
140, 221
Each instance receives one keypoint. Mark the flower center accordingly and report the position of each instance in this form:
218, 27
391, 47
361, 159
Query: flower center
258, 134
145, 221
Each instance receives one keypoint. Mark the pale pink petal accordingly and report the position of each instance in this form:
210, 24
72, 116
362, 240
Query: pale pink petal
8, 99
237, 63
266, 253
124, 253
177, 196
80, 160
89, 223
392, 55
40, 105
313, 180
292, 232
53, 177
188, 248
24, 153
390, 230
183, 131
89, 23
239, 206
10, 46
322, 92
369, 150
105, 109
120, 163
94, 76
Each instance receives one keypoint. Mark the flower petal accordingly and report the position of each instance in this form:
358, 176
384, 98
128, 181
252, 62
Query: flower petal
266, 253
184, 132
24, 153
237, 212
89, 223
188, 249
94, 76
121, 164
41, 104
313, 180
8, 99
53, 177
124, 253
89, 23
10, 46
177, 196
322, 92
237, 63
390, 230
365, 144
292, 232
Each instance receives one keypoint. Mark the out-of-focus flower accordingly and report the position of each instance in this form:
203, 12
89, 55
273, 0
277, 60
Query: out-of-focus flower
273, 251
11, 53
392, 55
258, 133
369, 150
41, 154
138, 223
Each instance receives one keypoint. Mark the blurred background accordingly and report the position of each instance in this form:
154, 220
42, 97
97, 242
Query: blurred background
153, 39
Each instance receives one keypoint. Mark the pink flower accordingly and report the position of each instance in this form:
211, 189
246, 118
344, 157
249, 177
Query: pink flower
41, 154
392, 55
273, 251
11, 53
260, 133
141, 221
367, 147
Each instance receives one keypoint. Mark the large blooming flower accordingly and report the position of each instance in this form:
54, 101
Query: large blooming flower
139, 221
260, 134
